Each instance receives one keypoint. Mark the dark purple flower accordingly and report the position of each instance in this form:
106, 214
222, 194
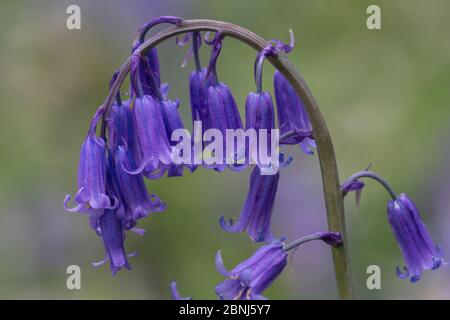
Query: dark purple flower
122, 131
250, 278
152, 138
198, 91
91, 173
175, 294
259, 115
221, 111
170, 116
418, 249
257, 211
148, 69
148, 72
136, 203
292, 116
172, 122
112, 233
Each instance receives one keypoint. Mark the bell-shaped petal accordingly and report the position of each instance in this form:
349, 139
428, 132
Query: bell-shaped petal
136, 202
292, 115
122, 129
172, 122
198, 92
259, 116
151, 133
113, 237
250, 278
418, 249
91, 176
223, 112
257, 211
149, 75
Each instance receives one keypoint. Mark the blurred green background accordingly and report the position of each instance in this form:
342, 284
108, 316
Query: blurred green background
385, 95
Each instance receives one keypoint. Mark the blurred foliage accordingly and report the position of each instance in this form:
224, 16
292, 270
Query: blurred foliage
384, 93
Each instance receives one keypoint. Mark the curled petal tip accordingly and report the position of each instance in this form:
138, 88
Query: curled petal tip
220, 267
292, 39
74, 209
174, 292
138, 231
97, 264
227, 226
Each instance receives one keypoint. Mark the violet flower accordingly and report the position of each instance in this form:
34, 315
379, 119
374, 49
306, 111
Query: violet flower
112, 233
149, 70
418, 249
221, 112
146, 81
152, 138
91, 173
257, 211
250, 278
259, 115
292, 116
136, 203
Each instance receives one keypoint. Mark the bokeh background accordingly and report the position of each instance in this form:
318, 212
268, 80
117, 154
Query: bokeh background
385, 95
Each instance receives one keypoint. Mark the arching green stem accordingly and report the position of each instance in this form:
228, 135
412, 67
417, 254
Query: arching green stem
330, 178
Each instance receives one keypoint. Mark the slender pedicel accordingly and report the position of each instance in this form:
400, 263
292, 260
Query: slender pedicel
367, 174
332, 238
196, 41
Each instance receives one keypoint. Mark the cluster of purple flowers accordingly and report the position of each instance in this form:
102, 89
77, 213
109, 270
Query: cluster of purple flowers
112, 167
137, 145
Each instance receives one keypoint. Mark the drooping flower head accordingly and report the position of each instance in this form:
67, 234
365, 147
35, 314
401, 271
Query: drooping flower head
220, 111
149, 70
418, 249
256, 213
293, 120
259, 116
136, 202
146, 81
151, 135
250, 278
91, 173
113, 235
